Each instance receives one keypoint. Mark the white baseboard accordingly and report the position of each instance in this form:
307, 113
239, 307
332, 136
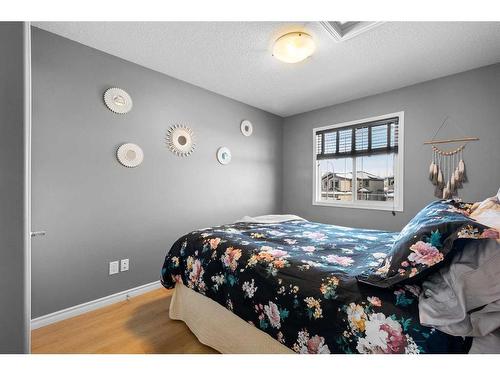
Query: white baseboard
92, 305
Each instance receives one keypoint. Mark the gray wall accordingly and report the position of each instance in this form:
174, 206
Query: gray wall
471, 99
93, 209
14, 251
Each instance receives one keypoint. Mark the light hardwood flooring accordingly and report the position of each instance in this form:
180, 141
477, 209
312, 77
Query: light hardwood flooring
139, 325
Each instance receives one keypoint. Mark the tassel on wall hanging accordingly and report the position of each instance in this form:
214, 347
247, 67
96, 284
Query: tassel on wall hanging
447, 168
447, 171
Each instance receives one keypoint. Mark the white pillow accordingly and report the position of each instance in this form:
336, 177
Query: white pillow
487, 212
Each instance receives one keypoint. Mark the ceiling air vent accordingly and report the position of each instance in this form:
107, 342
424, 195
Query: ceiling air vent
343, 30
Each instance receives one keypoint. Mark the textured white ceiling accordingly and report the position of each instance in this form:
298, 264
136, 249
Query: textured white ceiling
234, 58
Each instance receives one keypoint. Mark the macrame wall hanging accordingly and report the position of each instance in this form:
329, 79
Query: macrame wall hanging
447, 168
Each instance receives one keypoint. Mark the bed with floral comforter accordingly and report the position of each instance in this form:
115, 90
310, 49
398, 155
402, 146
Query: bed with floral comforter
297, 281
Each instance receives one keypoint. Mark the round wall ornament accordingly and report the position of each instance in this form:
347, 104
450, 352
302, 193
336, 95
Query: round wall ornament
224, 155
117, 100
246, 128
130, 155
180, 140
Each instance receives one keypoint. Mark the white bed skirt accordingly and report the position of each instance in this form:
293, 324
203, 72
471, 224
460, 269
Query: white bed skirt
219, 328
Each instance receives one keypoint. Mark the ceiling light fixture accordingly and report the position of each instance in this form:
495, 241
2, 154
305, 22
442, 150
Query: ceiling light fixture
293, 47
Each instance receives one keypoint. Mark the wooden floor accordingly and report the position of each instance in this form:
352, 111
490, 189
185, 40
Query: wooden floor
140, 325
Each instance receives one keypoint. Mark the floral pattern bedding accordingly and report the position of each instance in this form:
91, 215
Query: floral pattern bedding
296, 281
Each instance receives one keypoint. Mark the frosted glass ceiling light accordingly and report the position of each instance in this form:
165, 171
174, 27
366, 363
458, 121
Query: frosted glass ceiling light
293, 47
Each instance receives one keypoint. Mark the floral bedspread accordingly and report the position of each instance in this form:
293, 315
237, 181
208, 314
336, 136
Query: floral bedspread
296, 281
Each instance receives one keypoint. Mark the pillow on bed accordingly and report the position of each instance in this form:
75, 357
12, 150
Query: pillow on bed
426, 242
487, 212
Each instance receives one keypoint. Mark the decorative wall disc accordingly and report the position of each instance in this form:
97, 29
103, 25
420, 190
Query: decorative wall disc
180, 140
130, 155
246, 128
117, 100
224, 155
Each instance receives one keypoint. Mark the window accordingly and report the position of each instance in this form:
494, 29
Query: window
360, 163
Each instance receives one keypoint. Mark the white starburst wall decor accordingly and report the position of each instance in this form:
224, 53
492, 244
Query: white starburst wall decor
117, 100
130, 155
180, 140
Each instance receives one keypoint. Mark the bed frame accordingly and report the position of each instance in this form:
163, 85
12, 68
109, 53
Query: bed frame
219, 328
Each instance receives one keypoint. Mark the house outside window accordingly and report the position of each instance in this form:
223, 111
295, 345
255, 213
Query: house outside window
359, 164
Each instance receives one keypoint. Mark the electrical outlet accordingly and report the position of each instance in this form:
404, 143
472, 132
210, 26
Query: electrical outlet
113, 267
124, 265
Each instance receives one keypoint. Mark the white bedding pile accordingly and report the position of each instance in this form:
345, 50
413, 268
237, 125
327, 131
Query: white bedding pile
463, 299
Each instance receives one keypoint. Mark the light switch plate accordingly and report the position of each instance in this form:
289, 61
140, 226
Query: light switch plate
113, 267
124, 265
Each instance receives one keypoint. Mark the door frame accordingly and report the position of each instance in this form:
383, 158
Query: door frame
27, 185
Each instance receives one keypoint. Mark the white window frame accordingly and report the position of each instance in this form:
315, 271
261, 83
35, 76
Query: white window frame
397, 204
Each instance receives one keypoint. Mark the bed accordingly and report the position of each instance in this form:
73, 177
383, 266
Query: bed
287, 285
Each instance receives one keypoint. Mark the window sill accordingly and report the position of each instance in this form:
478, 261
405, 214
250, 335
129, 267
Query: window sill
363, 206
